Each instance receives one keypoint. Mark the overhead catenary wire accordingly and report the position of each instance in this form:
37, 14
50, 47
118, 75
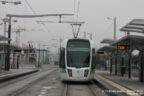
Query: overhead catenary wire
74, 6
34, 12
76, 26
78, 9
105, 32
77, 14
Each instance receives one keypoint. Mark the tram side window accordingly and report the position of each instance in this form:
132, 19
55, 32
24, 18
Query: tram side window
93, 59
62, 58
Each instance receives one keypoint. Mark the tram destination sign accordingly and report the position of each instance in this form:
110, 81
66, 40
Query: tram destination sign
123, 47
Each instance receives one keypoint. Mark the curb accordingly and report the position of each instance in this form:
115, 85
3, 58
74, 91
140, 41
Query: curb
10, 77
19, 91
108, 88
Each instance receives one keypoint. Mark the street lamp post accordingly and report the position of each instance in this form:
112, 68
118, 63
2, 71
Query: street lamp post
115, 28
90, 35
85, 33
114, 20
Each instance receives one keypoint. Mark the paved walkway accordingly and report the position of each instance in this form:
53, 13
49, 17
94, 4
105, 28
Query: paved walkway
132, 84
24, 68
14, 73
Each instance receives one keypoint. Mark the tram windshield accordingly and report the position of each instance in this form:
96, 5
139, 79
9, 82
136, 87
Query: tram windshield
78, 53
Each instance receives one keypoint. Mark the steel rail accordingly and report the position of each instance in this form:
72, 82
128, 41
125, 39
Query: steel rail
65, 92
92, 88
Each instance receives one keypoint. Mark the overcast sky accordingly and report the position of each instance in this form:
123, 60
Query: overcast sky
93, 12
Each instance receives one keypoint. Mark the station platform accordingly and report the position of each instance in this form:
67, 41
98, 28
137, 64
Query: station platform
14, 73
118, 85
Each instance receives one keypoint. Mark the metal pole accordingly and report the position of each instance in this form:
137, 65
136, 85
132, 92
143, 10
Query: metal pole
91, 36
115, 64
78, 30
105, 64
60, 47
13, 58
39, 57
5, 26
122, 67
28, 56
129, 67
115, 28
8, 49
43, 55
141, 68
84, 35
111, 65
60, 42
73, 31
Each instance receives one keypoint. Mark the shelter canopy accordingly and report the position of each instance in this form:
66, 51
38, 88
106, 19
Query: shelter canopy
108, 49
107, 41
135, 42
136, 25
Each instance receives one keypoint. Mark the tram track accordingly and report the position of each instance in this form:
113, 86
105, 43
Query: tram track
92, 89
82, 89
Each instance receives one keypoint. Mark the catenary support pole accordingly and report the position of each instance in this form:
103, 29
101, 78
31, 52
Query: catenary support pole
7, 67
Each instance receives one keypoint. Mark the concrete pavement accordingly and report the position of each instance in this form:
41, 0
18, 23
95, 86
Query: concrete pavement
24, 69
121, 86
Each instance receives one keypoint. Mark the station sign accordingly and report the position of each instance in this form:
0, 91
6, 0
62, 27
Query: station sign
123, 47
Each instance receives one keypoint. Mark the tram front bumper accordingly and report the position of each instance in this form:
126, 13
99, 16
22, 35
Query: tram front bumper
67, 78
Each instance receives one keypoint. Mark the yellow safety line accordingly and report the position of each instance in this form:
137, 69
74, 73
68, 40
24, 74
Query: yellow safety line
123, 89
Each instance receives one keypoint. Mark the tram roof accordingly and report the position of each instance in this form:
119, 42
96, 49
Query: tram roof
64, 42
136, 42
78, 39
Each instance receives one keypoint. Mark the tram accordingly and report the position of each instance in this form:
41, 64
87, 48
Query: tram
77, 60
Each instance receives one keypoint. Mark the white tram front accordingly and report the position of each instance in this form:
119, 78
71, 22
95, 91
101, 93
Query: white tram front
77, 60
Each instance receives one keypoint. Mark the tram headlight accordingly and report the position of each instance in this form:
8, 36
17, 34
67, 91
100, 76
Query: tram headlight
70, 72
86, 73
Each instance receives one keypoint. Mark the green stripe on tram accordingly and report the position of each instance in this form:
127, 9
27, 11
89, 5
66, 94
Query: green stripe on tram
63, 70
